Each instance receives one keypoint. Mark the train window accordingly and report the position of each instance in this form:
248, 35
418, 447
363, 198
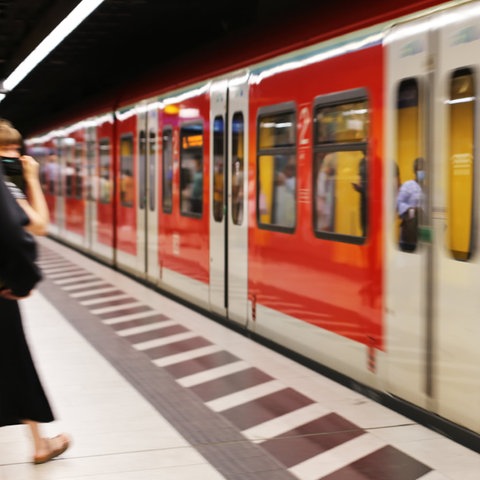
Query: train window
167, 169
238, 167
409, 167
191, 169
340, 167
78, 171
218, 170
68, 157
152, 170
91, 144
142, 160
104, 176
50, 173
277, 168
461, 108
127, 187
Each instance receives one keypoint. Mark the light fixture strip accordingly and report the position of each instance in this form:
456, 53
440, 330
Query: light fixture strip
62, 30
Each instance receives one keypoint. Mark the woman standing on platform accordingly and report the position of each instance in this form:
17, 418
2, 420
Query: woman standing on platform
22, 398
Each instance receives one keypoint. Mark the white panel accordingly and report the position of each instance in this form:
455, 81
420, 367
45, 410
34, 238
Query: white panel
407, 53
458, 324
152, 169
218, 107
238, 234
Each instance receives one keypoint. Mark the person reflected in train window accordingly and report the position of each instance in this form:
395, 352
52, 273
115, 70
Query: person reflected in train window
237, 191
51, 171
126, 188
285, 192
325, 194
22, 397
361, 188
218, 187
196, 197
409, 204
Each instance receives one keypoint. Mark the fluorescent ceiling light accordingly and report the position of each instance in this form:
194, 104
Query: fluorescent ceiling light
61, 31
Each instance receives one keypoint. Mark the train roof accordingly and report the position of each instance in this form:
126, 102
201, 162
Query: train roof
125, 45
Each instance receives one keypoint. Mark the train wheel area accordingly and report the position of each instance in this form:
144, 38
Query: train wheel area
150, 389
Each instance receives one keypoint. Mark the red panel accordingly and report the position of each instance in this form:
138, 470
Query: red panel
126, 225
75, 207
183, 240
105, 217
336, 286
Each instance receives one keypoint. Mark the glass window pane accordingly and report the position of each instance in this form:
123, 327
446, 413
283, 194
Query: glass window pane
277, 190
78, 171
68, 156
218, 167
460, 171
142, 159
238, 167
52, 168
277, 130
346, 122
167, 166
105, 174
341, 192
152, 169
409, 168
191, 169
91, 163
127, 187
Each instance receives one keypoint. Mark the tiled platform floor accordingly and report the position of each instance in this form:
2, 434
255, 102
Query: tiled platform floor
151, 390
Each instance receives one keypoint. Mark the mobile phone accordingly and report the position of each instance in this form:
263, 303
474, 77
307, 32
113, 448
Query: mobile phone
13, 170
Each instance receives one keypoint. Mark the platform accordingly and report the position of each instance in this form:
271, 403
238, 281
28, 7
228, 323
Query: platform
150, 389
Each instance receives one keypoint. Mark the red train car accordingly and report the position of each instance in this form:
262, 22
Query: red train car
271, 193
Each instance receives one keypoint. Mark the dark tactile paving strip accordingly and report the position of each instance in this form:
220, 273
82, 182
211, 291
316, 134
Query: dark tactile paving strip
81, 288
160, 332
77, 281
112, 303
201, 364
310, 439
266, 408
140, 322
174, 348
235, 382
96, 296
217, 436
387, 463
121, 312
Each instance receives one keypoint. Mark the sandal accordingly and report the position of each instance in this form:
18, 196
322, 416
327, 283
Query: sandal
56, 446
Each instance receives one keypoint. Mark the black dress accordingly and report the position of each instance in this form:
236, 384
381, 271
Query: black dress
21, 394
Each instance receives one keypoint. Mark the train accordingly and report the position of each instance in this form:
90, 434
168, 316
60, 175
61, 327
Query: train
267, 195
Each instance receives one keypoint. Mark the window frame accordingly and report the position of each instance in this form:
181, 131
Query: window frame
182, 126
331, 100
289, 107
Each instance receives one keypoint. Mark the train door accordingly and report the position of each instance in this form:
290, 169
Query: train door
147, 213
60, 187
408, 258
103, 222
218, 223
433, 270
90, 188
456, 219
151, 201
229, 195
141, 175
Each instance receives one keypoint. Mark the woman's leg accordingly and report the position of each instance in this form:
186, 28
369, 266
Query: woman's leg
46, 448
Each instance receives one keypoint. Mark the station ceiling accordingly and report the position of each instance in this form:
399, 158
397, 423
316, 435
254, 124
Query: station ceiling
119, 41
123, 40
